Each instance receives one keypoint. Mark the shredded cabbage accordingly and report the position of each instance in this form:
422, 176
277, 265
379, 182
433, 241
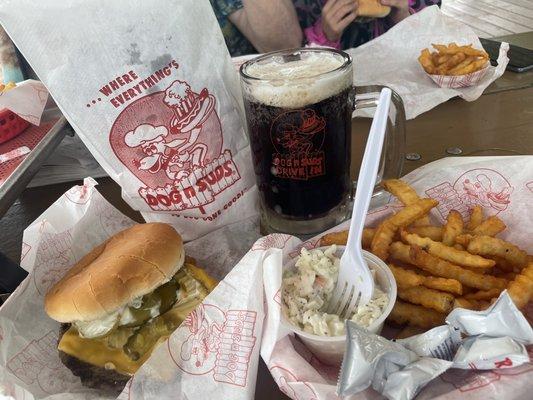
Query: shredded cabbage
306, 289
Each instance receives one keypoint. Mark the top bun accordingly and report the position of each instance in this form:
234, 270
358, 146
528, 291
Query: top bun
372, 8
128, 265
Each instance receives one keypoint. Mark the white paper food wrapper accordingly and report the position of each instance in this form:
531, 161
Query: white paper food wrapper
215, 350
27, 100
151, 90
392, 60
503, 186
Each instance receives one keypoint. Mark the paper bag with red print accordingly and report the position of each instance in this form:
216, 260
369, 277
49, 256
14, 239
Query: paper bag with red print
150, 88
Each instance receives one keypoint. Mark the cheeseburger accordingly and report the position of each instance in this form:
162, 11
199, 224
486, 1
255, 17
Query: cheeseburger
372, 9
122, 299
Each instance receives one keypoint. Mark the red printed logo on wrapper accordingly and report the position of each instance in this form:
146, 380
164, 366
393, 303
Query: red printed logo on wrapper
273, 241
298, 137
79, 194
285, 380
518, 370
111, 220
53, 257
309, 245
485, 187
529, 185
38, 364
466, 380
219, 342
172, 142
505, 363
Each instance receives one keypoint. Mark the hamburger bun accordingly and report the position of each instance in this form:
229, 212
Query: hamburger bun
128, 265
373, 9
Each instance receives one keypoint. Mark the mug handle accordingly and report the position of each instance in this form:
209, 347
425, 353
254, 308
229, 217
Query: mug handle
393, 154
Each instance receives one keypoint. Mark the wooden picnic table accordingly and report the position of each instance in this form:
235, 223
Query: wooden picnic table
499, 123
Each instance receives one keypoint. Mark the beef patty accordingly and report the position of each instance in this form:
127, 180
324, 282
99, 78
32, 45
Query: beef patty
106, 380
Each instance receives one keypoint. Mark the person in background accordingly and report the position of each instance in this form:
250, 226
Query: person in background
9, 63
251, 26
334, 23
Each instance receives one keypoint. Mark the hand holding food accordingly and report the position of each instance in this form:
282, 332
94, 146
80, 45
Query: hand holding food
399, 9
336, 16
453, 60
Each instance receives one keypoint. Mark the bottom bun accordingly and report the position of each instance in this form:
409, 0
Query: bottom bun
108, 381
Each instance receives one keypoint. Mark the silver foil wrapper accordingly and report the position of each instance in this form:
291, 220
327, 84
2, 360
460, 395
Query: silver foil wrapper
484, 352
389, 367
499, 320
441, 342
491, 339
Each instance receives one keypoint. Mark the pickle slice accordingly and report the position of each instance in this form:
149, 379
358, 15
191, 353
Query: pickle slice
146, 337
117, 338
157, 302
190, 295
167, 295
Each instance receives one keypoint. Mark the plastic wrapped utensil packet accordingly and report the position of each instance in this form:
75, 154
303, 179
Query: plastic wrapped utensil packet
440, 342
151, 90
398, 370
499, 320
369, 359
484, 352
407, 383
496, 337
392, 370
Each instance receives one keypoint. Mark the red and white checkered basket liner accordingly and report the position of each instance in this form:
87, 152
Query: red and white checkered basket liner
460, 81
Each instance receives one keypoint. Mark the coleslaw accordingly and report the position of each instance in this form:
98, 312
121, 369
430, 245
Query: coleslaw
307, 288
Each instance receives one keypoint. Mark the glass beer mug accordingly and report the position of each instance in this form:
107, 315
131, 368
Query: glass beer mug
299, 106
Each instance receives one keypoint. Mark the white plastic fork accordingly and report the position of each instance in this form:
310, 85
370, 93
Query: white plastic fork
355, 284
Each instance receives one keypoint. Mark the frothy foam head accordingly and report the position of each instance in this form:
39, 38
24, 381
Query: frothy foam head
177, 93
296, 83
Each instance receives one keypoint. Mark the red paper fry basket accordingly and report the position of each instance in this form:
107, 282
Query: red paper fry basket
11, 125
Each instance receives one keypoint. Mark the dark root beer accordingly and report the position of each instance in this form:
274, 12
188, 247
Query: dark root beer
298, 108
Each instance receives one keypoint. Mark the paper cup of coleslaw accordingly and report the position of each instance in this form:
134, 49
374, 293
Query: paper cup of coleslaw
323, 334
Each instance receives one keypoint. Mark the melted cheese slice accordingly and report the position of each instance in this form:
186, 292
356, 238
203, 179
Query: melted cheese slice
95, 352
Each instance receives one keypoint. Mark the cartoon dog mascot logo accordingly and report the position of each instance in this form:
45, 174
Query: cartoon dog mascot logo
172, 142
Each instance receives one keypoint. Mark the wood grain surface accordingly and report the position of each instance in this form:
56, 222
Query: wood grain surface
489, 18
